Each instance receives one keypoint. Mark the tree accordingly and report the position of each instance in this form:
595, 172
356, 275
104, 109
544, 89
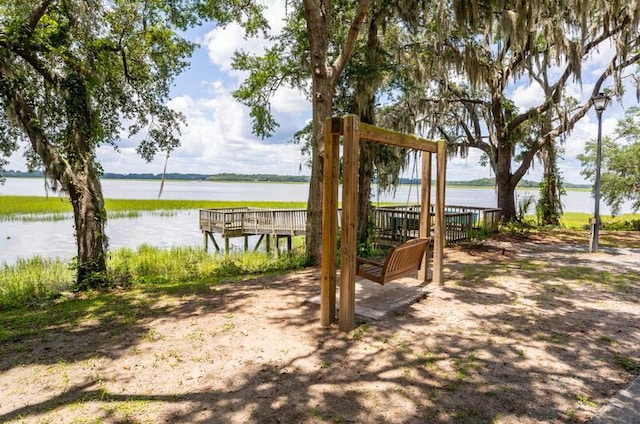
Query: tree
73, 71
620, 164
481, 50
377, 66
549, 206
314, 45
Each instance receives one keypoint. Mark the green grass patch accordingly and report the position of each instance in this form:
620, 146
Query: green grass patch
182, 270
580, 220
58, 206
465, 366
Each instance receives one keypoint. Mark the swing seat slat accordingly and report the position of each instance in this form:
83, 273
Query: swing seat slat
403, 259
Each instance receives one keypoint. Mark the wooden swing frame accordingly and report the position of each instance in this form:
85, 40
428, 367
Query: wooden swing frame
352, 130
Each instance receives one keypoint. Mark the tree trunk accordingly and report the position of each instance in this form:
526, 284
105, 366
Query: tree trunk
366, 88
504, 182
324, 77
76, 172
365, 180
321, 110
549, 207
90, 218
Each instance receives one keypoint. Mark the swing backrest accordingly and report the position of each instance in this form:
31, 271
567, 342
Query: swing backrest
401, 260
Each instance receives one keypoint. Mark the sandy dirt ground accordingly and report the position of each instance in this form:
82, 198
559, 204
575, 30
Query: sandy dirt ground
520, 332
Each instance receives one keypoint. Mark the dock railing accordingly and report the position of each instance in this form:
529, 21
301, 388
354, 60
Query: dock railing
233, 222
223, 220
399, 223
394, 224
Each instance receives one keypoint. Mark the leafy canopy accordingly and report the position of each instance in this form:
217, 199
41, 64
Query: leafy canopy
620, 164
104, 68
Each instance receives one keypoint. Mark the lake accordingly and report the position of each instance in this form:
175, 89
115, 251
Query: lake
55, 238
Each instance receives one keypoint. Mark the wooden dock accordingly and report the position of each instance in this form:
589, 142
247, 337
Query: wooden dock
245, 222
394, 225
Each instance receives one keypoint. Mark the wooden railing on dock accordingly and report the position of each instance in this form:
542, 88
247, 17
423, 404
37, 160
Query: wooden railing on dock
393, 224
396, 224
235, 222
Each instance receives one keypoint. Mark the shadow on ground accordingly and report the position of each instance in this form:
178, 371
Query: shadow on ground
507, 338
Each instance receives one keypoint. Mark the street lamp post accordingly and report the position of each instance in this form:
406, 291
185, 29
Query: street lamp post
600, 103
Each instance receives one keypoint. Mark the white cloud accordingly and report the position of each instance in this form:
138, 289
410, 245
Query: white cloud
527, 95
222, 42
289, 100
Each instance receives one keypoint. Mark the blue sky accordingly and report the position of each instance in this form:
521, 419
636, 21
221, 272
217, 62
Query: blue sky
218, 139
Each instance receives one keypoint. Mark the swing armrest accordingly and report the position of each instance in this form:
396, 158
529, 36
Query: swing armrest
360, 260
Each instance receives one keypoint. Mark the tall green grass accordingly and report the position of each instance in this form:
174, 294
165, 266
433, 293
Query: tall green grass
580, 221
33, 280
36, 280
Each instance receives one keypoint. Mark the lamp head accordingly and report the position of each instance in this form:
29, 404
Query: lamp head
600, 102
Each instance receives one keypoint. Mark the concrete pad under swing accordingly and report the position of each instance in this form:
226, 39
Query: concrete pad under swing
375, 301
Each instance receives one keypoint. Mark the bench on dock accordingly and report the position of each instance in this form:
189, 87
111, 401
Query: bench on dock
403, 259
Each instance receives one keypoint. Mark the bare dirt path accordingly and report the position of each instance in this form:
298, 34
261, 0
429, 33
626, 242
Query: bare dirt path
524, 331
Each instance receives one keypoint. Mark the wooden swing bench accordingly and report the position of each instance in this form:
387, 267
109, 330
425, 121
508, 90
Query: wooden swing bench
403, 259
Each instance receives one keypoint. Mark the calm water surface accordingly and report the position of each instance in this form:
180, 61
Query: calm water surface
56, 238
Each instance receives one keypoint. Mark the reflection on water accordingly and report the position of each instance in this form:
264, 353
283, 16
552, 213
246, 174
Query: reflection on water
56, 238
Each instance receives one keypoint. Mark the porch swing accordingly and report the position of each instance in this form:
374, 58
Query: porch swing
402, 260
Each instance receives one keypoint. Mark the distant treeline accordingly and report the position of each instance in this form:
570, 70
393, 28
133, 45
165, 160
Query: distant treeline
259, 178
273, 178
490, 182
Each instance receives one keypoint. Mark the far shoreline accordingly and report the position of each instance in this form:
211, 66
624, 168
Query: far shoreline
293, 179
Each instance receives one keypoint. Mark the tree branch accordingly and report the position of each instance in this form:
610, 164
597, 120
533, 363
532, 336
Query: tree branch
36, 14
53, 161
352, 37
50, 76
560, 84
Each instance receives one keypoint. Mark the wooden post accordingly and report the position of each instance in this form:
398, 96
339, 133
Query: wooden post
213, 240
425, 213
438, 243
332, 131
246, 244
206, 242
349, 222
260, 238
226, 245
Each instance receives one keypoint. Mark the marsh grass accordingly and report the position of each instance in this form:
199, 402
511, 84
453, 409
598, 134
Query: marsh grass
29, 205
180, 269
34, 208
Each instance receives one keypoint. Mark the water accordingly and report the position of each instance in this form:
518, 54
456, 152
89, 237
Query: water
56, 238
